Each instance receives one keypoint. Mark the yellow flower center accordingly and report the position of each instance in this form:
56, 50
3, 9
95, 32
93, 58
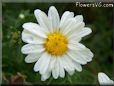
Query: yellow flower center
56, 44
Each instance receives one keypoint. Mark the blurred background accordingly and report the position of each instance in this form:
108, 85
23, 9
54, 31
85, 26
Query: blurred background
100, 42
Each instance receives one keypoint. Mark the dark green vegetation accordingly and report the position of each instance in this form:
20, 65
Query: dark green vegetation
100, 43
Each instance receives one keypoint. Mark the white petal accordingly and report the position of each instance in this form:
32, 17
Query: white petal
43, 19
104, 79
86, 54
38, 63
81, 56
54, 17
72, 26
45, 64
76, 46
66, 15
68, 65
34, 29
55, 70
73, 40
32, 48
52, 63
45, 76
75, 28
31, 38
79, 18
75, 56
61, 71
67, 25
83, 32
42, 64
78, 67
32, 57
75, 65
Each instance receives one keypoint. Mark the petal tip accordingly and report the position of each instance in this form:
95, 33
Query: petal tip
52, 7
37, 11
80, 70
26, 60
35, 69
24, 25
79, 18
22, 50
100, 74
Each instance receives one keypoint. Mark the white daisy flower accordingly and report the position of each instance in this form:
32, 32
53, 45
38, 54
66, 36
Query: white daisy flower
104, 79
54, 44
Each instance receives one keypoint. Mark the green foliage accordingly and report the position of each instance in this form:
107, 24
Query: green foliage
100, 42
